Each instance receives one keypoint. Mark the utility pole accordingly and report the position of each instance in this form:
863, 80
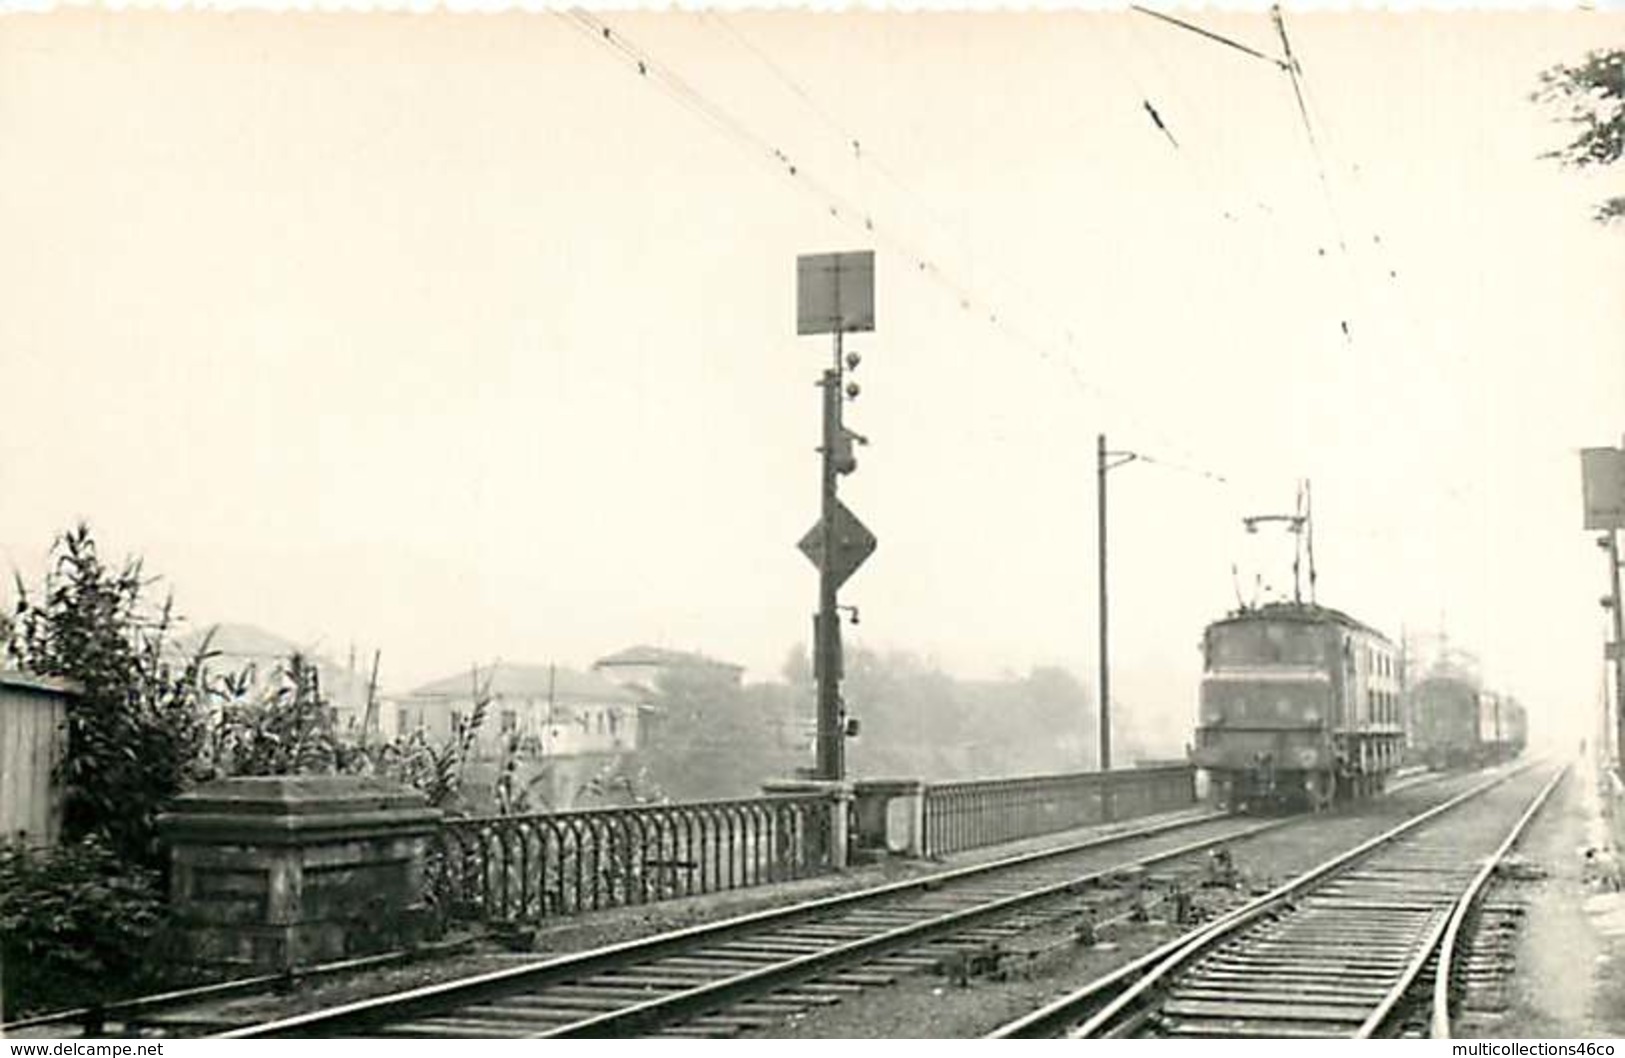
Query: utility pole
1105, 462
1105, 709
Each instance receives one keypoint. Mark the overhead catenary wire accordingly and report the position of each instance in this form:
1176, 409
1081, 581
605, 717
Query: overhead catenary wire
1209, 34
1231, 201
864, 156
1312, 120
838, 206
1289, 64
1294, 72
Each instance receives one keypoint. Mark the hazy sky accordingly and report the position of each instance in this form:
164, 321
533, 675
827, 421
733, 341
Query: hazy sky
461, 338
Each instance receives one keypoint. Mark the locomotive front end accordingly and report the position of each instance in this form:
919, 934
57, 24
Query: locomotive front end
1267, 703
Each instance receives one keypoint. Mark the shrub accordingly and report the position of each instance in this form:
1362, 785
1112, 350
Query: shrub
435, 771
76, 923
283, 729
135, 729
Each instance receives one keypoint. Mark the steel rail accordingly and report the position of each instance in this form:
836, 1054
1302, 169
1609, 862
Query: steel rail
1448, 929
93, 1017
436, 997
709, 996
122, 1009
1439, 1018
1131, 983
1233, 924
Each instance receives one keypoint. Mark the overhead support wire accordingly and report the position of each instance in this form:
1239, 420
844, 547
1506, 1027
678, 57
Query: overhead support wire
1210, 35
1295, 74
685, 94
1288, 63
1156, 119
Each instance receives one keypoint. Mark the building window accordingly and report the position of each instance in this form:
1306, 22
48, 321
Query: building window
510, 721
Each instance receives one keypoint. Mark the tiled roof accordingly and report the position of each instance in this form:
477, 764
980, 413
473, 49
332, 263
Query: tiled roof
234, 646
238, 646
242, 641
647, 655
529, 681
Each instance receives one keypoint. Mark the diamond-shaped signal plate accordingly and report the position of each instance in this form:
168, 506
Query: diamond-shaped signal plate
853, 544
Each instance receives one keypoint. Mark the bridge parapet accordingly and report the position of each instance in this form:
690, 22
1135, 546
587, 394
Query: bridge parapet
889, 817
967, 815
524, 868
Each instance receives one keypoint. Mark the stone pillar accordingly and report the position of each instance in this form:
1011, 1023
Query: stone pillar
890, 816
270, 873
839, 797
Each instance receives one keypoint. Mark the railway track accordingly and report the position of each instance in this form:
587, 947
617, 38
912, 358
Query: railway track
748, 972
1364, 944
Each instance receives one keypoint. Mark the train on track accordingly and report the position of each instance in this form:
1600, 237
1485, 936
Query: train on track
1303, 706
1300, 707
1455, 723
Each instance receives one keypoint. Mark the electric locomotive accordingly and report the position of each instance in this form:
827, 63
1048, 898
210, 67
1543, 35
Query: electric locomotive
1457, 724
1512, 729
1300, 707
1445, 722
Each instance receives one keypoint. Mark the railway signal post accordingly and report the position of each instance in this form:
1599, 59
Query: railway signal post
1603, 490
834, 295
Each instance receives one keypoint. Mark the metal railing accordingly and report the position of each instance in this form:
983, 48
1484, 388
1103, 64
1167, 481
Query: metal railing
527, 867
968, 815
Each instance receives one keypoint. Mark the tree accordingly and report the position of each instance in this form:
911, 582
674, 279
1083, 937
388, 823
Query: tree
135, 727
797, 669
709, 737
1593, 96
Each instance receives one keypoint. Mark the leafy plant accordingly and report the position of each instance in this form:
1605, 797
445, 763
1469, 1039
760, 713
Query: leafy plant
285, 729
435, 770
515, 795
1592, 93
135, 728
618, 783
76, 920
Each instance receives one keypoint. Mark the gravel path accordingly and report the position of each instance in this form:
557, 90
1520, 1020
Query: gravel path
1569, 962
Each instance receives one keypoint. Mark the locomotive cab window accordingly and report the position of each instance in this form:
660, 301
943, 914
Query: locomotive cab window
1264, 643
